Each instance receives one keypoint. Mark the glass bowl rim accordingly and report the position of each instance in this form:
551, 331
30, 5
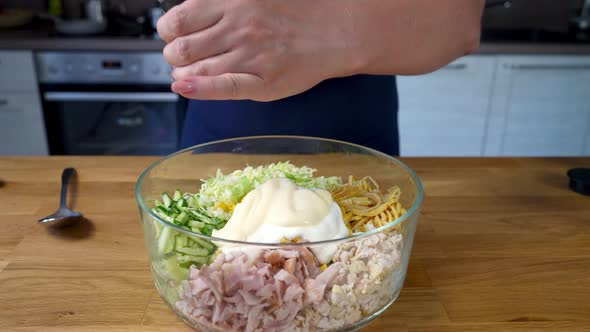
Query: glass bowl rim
417, 204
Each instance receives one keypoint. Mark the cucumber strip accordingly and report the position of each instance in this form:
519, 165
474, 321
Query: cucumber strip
207, 229
205, 244
165, 217
197, 214
181, 242
181, 218
177, 195
165, 241
158, 227
218, 221
174, 210
181, 203
187, 265
163, 210
187, 259
200, 252
157, 203
195, 224
192, 201
172, 268
167, 200
202, 217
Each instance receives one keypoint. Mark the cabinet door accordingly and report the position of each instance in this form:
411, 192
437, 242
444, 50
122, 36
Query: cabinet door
444, 113
22, 131
541, 106
17, 71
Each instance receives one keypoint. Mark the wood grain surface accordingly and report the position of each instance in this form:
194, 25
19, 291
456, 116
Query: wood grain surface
502, 245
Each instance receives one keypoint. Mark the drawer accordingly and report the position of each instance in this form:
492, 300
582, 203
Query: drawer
444, 113
17, 71
22, 129
441, 133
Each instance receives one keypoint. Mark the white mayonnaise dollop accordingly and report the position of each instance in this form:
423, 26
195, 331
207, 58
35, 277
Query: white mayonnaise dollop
280, 209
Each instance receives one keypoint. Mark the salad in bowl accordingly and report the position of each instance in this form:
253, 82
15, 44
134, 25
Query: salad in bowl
267, 243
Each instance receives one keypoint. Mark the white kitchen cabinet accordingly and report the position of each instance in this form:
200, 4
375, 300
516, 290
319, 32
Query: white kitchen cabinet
540, 107
22, 129
17, 71
21, 124
444, 113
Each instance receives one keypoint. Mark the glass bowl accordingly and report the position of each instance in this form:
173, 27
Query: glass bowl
278, 286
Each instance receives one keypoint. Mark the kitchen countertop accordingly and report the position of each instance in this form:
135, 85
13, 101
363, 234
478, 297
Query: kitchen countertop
79, 44
138, 44
502, 245
491, 48
41, 41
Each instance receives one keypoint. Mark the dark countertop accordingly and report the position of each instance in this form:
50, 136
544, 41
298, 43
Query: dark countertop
81, 44
44, 41
515, 48
39, 41
41, 36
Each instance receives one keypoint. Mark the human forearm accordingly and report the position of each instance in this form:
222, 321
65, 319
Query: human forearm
406, 37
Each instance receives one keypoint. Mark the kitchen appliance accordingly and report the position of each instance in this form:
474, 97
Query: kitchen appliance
116, 103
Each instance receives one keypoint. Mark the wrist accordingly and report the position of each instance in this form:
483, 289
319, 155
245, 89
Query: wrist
349, 55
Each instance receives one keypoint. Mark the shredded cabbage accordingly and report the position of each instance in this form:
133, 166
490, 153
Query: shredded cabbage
220, 194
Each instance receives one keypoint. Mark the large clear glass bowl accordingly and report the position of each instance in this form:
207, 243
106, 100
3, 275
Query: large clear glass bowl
372, 265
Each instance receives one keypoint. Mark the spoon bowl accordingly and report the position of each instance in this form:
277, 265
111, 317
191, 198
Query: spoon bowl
60, 215
63, 216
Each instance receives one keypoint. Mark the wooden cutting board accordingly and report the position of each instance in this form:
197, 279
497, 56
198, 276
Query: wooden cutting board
502, 245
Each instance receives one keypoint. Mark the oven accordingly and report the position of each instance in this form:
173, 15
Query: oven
109, 103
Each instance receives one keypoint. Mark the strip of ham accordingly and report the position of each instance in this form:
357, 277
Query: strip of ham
285, 290
264, 294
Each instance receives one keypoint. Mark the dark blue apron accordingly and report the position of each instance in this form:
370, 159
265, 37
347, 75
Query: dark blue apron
360, 109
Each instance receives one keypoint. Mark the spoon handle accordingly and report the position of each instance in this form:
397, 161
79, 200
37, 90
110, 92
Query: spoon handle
65, 180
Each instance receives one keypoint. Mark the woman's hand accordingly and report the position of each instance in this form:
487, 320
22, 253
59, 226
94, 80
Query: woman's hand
256, 49
271, 49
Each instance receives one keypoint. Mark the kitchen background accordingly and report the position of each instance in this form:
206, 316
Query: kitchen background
93, 82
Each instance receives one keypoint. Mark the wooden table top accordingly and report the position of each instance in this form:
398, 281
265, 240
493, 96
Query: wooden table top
502, 245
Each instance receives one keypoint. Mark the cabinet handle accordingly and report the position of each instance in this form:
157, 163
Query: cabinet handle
155, 97
456, 66
546, 66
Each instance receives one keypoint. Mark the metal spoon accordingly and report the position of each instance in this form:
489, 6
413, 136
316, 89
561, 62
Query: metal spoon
63, 215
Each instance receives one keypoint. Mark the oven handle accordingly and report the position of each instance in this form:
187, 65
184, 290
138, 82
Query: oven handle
142, 97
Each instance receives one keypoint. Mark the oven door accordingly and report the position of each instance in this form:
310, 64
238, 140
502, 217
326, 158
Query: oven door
113, 123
